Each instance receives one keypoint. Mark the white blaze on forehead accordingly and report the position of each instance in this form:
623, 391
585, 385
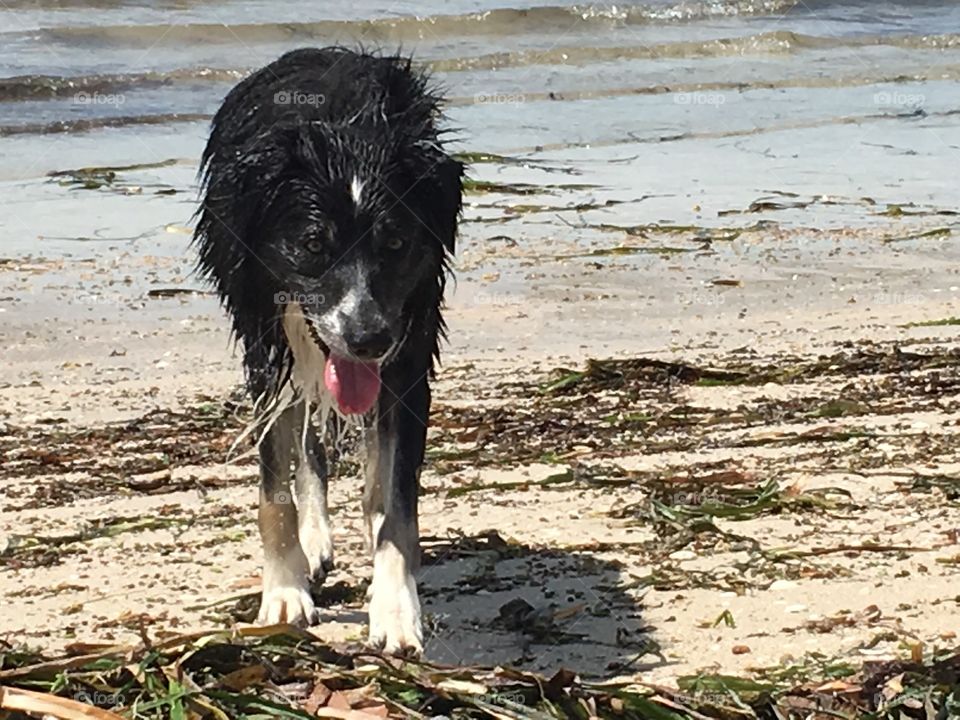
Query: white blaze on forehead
356, 188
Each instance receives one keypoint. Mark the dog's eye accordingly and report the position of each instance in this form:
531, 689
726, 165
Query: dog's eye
395, 243
318, 237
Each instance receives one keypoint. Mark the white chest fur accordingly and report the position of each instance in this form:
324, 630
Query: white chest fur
308, 358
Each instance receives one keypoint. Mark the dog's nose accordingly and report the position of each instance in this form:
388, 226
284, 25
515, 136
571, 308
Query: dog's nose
370, 344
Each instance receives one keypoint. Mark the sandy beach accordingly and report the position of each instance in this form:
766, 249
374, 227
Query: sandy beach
697, 411
119, 508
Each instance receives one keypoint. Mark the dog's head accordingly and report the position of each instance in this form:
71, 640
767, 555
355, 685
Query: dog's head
355, 228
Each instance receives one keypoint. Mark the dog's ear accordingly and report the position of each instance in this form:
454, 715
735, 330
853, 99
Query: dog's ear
268, 162
242, 181
438, 190
451, 199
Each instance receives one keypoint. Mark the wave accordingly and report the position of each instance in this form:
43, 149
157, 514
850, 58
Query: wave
409, 28
51, 87
940, 73
780, 42
87, 124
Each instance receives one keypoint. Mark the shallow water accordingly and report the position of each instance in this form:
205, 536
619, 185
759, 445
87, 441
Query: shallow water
685, 100
72, 67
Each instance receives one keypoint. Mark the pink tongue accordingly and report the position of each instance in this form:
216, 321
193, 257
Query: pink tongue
354, 384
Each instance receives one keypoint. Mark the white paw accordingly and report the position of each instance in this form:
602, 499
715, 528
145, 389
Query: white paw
287, 604
286, 592
395, 624
316, 540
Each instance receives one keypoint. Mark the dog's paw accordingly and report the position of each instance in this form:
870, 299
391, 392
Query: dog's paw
395, 625
287, 604
286, 592
316, 540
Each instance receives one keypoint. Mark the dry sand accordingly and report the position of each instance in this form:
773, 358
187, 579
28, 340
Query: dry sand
120, 517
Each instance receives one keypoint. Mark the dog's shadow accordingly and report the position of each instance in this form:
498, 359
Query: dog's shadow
490, 601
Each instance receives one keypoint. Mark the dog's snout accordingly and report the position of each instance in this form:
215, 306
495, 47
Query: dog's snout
370, 344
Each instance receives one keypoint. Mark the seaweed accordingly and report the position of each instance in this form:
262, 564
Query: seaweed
940, 232
474, 186
550, 418
281, 671
943, 322
107, 177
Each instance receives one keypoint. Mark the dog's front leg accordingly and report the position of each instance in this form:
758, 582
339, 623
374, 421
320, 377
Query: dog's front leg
286, 593
395, 448
310, 475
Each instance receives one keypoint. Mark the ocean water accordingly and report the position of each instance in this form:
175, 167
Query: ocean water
136, 81
674, 111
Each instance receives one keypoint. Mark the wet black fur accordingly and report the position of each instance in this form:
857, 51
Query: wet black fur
270, 166
277, 216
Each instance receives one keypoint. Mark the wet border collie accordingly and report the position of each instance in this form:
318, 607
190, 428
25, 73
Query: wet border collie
328, 215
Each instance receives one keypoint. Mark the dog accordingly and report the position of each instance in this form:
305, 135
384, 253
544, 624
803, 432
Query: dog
327, 222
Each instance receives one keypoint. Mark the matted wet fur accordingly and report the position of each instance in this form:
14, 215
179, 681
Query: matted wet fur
328, 215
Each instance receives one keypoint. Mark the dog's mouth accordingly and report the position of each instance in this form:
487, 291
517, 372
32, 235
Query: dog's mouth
354, 384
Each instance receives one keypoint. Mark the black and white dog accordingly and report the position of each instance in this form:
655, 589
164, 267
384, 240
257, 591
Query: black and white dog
329, 212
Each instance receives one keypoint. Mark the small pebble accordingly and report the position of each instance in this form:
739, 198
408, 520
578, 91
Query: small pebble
782, 585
